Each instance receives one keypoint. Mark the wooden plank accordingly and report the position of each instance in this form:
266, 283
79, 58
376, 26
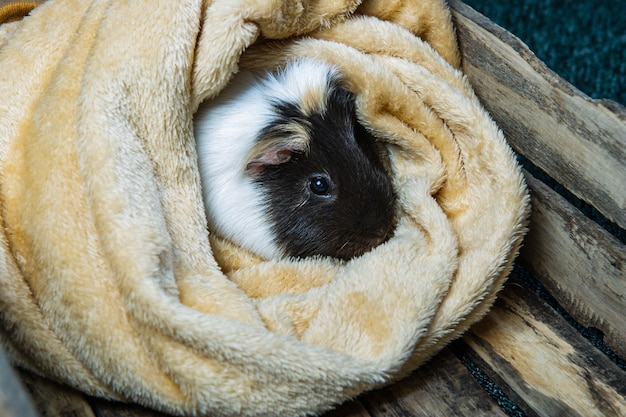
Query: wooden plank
582, 265
441, 388
103, 408
354, 408
544, 365
55, 400
14, 401
579, 142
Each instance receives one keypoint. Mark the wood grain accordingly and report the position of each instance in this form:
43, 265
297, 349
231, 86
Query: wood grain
542, 363
441, 388
579, 142
582, 265
55, 400
103, 408
354, 408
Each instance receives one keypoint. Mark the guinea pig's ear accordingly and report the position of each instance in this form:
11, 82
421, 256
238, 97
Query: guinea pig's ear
272, 153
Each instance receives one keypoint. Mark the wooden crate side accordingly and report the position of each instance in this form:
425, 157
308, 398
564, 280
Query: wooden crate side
441, 388
354, 408
104, 408
582, 265
579, 142
55, 400
542, 363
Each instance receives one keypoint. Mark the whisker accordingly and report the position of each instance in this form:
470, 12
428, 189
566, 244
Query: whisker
301, 204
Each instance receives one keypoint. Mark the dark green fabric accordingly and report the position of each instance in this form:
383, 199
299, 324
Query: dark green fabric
584, 41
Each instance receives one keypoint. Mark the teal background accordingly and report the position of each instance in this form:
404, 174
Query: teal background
583, 41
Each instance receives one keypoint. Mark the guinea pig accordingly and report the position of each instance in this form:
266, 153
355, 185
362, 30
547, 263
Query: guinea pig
286, 169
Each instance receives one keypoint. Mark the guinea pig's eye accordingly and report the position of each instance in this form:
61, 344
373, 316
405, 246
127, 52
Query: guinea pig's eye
319, 185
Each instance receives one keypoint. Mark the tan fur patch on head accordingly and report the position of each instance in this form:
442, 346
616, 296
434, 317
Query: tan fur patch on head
313, 99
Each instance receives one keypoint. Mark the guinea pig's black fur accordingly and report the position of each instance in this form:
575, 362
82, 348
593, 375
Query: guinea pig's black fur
286, 168
335, 199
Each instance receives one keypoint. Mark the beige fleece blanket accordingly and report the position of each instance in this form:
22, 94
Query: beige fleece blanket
109, 281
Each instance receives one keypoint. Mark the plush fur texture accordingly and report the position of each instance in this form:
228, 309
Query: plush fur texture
108, 279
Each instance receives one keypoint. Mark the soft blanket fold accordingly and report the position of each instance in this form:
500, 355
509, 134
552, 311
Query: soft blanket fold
109, 281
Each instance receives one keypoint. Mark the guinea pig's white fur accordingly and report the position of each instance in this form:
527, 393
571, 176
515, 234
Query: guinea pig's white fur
227, 128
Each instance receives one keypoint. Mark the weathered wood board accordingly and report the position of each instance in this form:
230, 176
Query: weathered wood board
441, 388
581, 264
578, 141
542, 362
104, 408
55, 400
